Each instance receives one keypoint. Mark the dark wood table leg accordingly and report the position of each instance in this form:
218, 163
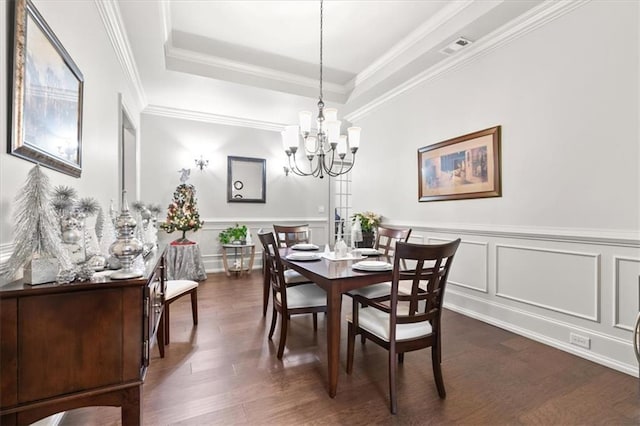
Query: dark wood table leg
131, 413
266, 285
334, 305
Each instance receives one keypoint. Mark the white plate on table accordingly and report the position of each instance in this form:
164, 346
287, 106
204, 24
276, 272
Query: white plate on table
303, 256
304, 246
368, 251
372, 266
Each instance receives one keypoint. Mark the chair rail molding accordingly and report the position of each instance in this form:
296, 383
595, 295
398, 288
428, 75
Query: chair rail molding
622, 238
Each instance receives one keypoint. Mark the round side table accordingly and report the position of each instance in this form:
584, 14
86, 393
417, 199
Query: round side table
243, 256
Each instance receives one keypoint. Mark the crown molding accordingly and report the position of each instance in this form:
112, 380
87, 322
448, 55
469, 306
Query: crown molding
535, 18
415, 37
206, 117
112, 19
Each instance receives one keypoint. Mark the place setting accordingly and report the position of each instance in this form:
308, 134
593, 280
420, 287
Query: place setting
372, 266
367, 252
303, 256
305, 247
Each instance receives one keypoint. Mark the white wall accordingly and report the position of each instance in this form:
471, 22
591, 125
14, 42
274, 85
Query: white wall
80, 29
169, 144
559, 251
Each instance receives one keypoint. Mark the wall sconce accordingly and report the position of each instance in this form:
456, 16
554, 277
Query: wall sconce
286, 170
201, 163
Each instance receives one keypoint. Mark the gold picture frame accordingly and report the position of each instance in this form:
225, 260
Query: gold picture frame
46, 105
464, 167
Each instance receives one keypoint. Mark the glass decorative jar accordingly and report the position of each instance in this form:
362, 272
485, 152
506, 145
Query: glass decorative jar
126, 247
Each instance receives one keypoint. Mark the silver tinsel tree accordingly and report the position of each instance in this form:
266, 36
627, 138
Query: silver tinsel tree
37, 231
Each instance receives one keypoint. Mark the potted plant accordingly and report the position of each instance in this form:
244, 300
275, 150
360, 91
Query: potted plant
369, 222
234, 235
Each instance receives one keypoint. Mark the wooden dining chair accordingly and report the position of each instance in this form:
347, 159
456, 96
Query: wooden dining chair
289, 300
386, 240
286, 236
402, 322
290, 235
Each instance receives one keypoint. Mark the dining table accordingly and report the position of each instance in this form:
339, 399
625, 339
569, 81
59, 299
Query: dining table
335, 277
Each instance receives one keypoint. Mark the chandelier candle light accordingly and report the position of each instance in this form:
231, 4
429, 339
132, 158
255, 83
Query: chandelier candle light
325, 142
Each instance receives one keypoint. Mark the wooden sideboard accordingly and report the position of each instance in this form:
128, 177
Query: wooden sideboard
80, 344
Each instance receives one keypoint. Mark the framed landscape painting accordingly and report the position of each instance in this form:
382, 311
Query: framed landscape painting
464, 167
47, 93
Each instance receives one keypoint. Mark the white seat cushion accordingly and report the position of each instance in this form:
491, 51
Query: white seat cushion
293, 277
377, 322
305, 296
177, 287
378, 290
372, 291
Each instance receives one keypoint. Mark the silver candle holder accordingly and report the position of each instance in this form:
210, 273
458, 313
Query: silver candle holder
126, 247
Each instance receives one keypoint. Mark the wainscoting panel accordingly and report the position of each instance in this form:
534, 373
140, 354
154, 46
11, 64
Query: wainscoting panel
627, 289
561, 281
474, 256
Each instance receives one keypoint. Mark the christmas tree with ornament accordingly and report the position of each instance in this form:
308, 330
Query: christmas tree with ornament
182, 213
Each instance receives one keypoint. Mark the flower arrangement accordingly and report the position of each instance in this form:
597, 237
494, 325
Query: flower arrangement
369, 221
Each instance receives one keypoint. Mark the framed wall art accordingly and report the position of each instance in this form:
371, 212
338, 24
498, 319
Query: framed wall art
246, 180
460, 168
46, 106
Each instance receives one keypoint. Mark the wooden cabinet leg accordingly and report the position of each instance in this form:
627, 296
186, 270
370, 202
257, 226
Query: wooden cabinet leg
9, 419
131, 412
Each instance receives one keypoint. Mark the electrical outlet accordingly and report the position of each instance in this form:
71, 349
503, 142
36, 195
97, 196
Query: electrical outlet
579, 340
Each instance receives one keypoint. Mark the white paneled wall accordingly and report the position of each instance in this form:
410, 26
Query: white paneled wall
547, 286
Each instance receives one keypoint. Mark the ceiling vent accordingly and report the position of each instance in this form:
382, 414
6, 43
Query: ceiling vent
452, 48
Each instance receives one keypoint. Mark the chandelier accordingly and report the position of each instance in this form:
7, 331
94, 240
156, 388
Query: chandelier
326, 143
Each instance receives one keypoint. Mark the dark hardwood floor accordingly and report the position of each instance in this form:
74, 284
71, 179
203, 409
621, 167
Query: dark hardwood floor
225, 371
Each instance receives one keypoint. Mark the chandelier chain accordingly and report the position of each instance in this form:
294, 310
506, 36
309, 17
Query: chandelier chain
321, 13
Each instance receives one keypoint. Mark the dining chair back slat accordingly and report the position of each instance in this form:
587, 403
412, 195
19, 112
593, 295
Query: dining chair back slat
290, 235
386, 239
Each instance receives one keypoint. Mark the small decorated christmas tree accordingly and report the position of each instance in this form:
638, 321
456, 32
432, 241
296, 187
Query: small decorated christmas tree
182, 213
